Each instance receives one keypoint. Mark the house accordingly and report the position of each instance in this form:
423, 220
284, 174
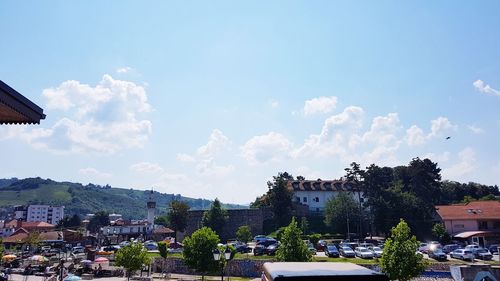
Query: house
476, 222
121, 230
315, 193
16, 109
13, 225
20, 236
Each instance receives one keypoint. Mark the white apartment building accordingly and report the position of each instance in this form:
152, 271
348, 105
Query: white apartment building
315, 193
45, 213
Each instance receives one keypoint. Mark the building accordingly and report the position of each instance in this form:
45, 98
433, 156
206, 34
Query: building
315, 193
16, 109
123, 230
476, 222
37, 213
151, 204
10, 227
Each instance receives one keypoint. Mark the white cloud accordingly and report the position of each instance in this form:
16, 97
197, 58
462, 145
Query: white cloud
266, 148
94, 173
125, 69
440, 127
208, 167
146, 167
335, 134
466, 165
483, 88
274, 103
475, 129
185, 158
320, 105
216, 142
415, 136
102, 119
440, 158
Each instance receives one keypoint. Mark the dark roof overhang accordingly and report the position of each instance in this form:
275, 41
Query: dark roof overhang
17, 109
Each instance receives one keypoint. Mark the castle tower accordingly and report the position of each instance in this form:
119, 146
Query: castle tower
151, 208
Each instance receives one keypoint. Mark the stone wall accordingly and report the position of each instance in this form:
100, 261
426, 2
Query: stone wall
254, 218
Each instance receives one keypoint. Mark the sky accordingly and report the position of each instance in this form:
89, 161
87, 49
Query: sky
212, 98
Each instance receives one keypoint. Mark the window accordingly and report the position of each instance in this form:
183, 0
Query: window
304, 199
361, 199
483, 225
316, 199
297, 199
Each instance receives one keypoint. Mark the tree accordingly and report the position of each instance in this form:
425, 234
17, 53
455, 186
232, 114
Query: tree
342, 213
162, 220
280, 198
177, 216
215, 217
163, 249
198, 250
304, 225
70, 222
244, 234
132, 257
2, 249
99, 220
33, 240
399, 259
438, 231
293, 248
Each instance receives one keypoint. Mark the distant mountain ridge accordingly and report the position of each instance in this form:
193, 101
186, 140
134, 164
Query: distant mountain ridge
83, 199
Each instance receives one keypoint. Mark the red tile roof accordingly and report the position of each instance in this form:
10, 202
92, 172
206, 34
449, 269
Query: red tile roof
476, 210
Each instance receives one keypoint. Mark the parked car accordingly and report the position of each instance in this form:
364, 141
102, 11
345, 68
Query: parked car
433, 245
346, 252
241, 247
472, 247
450, 248
151, 246
494, 249
266, 243
271, 249
438, 254
462, 254
45, 248
377, 251
483, 254
331, 251
78, 249
423, 247
363, 253
311, 248
321, 245
260, 238
259, 250
124, 243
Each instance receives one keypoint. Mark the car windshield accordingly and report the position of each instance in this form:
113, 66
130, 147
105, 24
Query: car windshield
364, 250
377, 249
481, 251
332, 248
346, 249
467, 252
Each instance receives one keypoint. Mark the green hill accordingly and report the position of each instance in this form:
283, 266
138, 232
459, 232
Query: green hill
83, 199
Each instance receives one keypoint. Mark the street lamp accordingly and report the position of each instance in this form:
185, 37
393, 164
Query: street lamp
227, 257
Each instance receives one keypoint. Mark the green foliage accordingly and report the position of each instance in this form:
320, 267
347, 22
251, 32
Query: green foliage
304, 225
280, 198
198, 250
341, 210
177, 215
163, 249
314, 238
215, 217
2, 249
162, 220
132, 257
438, 231
292, 247
70, 222
244, 234
399, 259
99, 220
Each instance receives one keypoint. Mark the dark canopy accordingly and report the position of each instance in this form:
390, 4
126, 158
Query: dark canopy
16, 109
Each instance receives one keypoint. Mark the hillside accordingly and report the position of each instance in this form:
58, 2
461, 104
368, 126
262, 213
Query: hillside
83, 199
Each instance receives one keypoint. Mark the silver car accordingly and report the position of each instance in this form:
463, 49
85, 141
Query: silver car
462, 254
363, 253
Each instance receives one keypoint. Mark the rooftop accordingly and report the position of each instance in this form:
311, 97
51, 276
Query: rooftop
17, 109
470, 211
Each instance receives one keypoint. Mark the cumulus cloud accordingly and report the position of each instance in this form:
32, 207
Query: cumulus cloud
103, 119
266, 148
146, 167
274, 103
475, 129
335, 134
415, 136
484, 88
205, 156
466, 165
124, 69
94, 173
320, 105
441, 126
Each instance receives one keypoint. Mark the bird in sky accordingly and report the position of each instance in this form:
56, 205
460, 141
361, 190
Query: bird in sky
448, 138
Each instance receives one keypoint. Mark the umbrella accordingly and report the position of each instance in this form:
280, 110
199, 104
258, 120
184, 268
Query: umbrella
101, 260
72, 278
9, 257
86, 261
38, 258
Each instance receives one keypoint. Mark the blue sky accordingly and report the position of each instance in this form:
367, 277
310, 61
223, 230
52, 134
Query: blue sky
212, 98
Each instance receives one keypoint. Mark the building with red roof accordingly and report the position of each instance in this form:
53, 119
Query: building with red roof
477, 221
